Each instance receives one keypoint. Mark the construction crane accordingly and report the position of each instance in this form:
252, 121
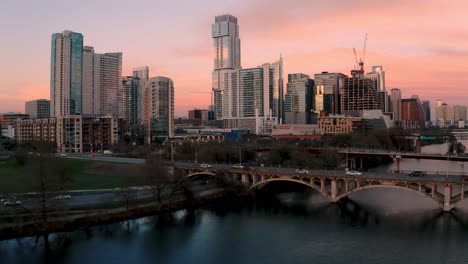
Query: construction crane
360, 64
355, 60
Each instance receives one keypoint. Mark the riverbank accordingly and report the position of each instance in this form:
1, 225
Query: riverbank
102, 217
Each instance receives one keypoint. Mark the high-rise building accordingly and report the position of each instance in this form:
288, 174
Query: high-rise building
159, 108
358, 93
444, 114
91, 82
459, 113
396, 104
102, 83
298, 103
38, 108
111, 83
66, 74
225, 34
378, 76
130, 99
143, 74
413, 111
327, 92
427, 110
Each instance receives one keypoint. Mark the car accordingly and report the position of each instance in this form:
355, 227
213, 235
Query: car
63, 155
353, 173
7, 198
63, 197
204, 165
93, 154
464, 178
417, 174
302, 171
237, 166
12, 203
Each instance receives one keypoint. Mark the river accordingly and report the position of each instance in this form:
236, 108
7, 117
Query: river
373, 226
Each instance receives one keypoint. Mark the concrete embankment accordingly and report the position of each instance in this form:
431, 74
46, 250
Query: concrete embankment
94, 218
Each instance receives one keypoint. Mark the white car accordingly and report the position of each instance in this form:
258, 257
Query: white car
204, 165
302, 171
237, 166
63, 155
11, 202
8, 198
62, 197
353, 173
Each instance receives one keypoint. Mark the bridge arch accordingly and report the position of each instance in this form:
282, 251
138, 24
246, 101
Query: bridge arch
194, 174
264, 182
420, 193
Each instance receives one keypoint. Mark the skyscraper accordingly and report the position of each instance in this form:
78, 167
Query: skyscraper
91, 77
143, 75
427, 110
412, 110
277, 97
396, 104
141, 72
130, 99
378, 76
111, 83
102, 83
159, 108
327, 92
225, 34
66, 74
358, 93
298, 103
38, 108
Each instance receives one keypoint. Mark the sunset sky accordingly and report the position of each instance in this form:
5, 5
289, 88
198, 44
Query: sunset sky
422, 44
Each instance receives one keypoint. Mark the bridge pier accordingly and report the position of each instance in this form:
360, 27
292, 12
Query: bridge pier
245, 179
397, 160
333, 191
447, 198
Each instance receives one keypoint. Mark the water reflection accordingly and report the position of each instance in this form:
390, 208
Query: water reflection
286, 224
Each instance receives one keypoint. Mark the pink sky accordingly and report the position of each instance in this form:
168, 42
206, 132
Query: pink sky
422, 45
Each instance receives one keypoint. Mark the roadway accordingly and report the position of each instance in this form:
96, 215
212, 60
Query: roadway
331, 173
90, 199
103, 158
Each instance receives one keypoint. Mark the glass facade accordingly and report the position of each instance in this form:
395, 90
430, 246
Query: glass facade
66, 73
159, 107
299, 100
226, 43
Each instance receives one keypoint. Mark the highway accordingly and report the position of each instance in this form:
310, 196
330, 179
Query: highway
91, 199
103, 158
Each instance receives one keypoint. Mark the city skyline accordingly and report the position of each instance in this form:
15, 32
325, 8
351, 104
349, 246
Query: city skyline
426, 57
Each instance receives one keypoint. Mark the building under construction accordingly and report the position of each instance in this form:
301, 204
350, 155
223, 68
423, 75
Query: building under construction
358, 93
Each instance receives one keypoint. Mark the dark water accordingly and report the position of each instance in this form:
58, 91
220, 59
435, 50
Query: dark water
373, 226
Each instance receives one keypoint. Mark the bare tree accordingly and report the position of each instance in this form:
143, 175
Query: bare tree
47, 176
160, 181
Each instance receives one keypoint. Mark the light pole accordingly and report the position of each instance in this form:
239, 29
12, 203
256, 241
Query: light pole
240, 154
196, 152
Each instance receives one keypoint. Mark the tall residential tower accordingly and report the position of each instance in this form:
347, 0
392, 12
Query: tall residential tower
226, 41
66, 74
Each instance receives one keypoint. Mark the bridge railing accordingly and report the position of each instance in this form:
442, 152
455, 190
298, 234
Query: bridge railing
435, 173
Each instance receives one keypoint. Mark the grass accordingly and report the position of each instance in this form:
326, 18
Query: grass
83, 174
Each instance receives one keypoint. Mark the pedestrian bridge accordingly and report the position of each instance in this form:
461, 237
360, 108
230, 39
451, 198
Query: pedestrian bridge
446, 191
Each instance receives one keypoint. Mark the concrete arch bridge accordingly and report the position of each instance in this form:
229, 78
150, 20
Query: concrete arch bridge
445, 191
